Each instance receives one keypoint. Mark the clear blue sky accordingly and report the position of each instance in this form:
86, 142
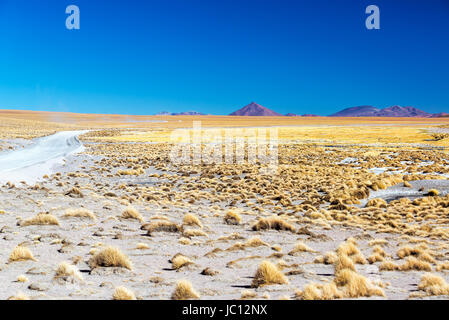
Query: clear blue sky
215, 56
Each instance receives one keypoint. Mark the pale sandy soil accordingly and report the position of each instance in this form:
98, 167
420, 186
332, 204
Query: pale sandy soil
77, 239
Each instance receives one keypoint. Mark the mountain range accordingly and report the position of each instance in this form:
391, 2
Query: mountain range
394, 111
256, 110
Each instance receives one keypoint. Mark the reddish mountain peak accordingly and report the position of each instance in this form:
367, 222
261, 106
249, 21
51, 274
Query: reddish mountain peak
255, 110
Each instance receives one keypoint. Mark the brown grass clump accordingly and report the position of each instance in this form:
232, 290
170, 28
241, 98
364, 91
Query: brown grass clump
379, 242
161, 226
192, 220
68, 272
315, 291
21, 253
414, 264
344, 262
443, 266
355, 285
255, 242
41, 219
19, 296
300, 247
432, 192
232, 217
132, 213
274, 222
79, 213
142, 246
329, 258
388, 266
22, 278
74, 193
267, 274
433, 285
248, 294
122, 293
377, 203
349, 249
110, 257
194, 233
179, 261
184, 291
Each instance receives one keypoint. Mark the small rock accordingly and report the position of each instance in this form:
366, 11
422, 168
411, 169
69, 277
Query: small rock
38, 286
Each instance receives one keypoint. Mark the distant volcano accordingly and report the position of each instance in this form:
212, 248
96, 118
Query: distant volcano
394, 111
255, 110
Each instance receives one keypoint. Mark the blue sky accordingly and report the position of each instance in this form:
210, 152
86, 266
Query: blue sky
215, 56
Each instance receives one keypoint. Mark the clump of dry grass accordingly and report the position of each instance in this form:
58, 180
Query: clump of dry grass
419, 252
329, 258
194, 233
122, 293
377, 242
74, 193
21, 253
355, 285
433, 285
255, 242
248, 294
19, 296
344, 262
300, 247
267, 274
443, 266
414, 264
132, 213
110, 257
79, 213
316, 291
142, 246
349, 249
274, 222
377, 203
161, 226
184, 291
40, 219
232, 217
432, 192
68, 272
388, 266
22, 278
179, 261
192, 220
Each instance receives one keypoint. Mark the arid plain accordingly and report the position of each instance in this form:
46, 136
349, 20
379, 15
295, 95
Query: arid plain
357, 208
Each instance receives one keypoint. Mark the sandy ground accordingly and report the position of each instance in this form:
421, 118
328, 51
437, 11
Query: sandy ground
220, 249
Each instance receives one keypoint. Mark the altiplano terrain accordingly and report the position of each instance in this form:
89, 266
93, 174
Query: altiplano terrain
357, 208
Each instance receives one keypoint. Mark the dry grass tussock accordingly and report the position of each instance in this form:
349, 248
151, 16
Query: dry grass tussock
300, 247
79, 213
192, 220
179, 261
267, 274
184, 291
122, 293
317, 291
21, 253
68, 272
132, 213
355, 285
110, 257
433, 285
161, 226
19, 296
274, 222
232, 217
40, 219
